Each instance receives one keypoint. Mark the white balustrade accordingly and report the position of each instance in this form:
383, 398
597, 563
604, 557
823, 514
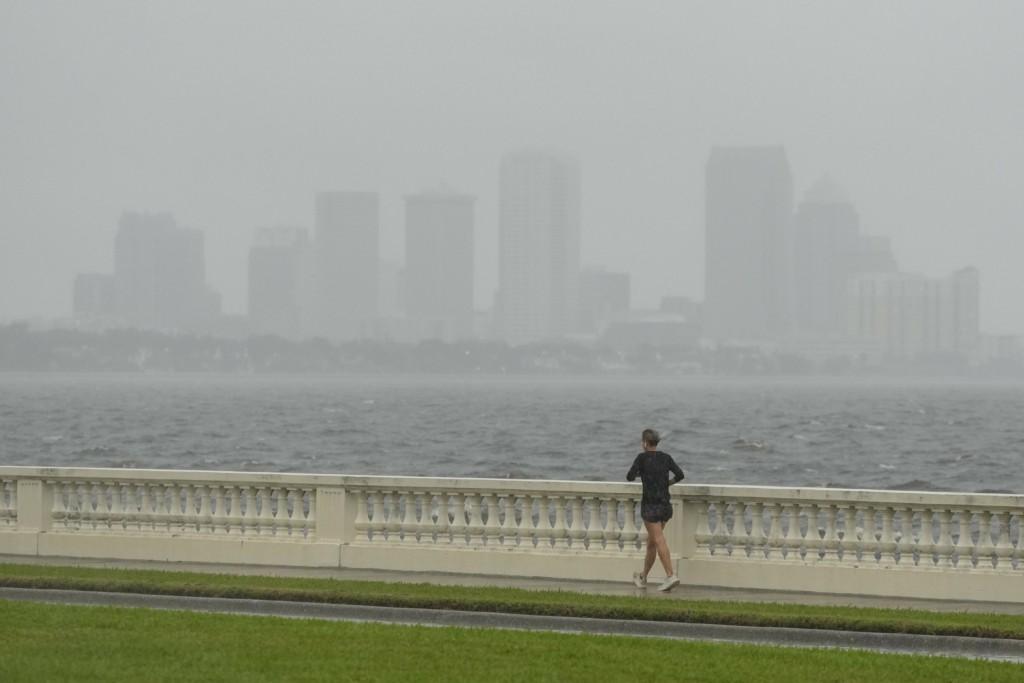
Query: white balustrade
870, 542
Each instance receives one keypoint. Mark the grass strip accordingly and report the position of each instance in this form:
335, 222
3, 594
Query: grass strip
44, 642
512, 600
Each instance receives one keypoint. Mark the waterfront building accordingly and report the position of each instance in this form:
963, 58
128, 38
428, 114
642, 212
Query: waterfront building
910, 315
827, 242
439, 265
748, 223
539, 245
95, 295
280, 267
347, 263
160, 274
604, 299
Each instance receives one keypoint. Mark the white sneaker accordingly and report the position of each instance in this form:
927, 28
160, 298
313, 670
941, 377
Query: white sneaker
669, 583
639, 580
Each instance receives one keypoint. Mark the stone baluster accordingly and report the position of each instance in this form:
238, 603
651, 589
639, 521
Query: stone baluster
250, 519
424, 527
641, 537
362, 521
1018, 553
926, 540
58, 510
887, 541
95, 505
848, 542
458, 523
830, 542
560, 531
442, 527
703, 535
595, 532
1004, 548
906, 542
611, 524
814, 540
144, 516
409, 521
790, 532
266, 516
118, 507
219, 516
509, 528
204, 520
578, 531
393, 523
963, 544
629, 531
307, 512
492, 529
944, 548
773, 534
234, 516
544, 531
758, 538
476, 520
985, 548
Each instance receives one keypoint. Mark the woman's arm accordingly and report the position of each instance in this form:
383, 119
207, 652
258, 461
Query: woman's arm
634, 470
676, 470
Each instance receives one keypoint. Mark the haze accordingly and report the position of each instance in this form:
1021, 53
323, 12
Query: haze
233, 115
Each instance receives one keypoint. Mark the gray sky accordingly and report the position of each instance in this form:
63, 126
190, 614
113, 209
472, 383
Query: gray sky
232, 114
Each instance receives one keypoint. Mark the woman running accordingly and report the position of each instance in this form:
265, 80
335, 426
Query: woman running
653, 467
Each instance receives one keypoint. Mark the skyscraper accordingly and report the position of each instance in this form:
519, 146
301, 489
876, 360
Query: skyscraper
827, 240
279, 274
347, 229
439, 265
160, 274
539, 245
748, 278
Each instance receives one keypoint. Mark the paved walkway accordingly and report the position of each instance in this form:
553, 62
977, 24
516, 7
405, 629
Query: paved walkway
598, 587
975, 648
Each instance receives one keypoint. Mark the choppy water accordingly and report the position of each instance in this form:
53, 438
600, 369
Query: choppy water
967, 437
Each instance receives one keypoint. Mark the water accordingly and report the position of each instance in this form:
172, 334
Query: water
925, 436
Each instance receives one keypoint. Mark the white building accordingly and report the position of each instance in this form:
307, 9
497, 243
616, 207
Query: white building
539, 246
347, 263
439, 265
748, 223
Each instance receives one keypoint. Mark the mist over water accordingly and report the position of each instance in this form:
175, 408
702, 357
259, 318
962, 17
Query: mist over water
842, 433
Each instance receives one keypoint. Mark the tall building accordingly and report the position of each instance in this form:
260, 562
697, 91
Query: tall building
439, 265
539, 246
907, 315
95, 295
348, 253
280, 291
749, 207
826, 244
604, 299
160, 274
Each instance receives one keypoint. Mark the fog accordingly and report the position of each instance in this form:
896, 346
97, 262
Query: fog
232, 116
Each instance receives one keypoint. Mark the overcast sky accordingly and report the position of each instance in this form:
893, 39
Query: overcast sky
233, 114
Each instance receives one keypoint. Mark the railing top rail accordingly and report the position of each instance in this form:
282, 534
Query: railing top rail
774, 494
779, 494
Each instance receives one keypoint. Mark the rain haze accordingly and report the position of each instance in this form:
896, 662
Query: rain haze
233, 115
272, 232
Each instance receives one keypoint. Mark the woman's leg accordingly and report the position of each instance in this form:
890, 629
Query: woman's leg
656, 542
652, 550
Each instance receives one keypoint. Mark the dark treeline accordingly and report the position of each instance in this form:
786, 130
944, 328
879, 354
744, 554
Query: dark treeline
127, 350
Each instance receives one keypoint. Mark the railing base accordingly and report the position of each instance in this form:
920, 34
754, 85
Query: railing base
898, 582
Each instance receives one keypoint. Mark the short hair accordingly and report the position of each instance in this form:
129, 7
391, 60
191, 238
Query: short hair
651, 437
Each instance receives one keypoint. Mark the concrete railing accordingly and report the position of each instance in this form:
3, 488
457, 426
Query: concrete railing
936, 545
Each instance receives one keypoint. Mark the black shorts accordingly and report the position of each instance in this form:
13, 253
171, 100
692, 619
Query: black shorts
656, 512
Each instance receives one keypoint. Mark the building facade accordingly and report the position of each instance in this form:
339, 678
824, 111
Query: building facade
160, 274
280, 287
347, 264
748, 222
539, 246
439, 266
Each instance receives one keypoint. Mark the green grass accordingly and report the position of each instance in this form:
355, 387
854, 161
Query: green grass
518, 601
57, 642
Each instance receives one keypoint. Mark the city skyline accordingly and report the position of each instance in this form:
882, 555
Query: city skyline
106, 112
